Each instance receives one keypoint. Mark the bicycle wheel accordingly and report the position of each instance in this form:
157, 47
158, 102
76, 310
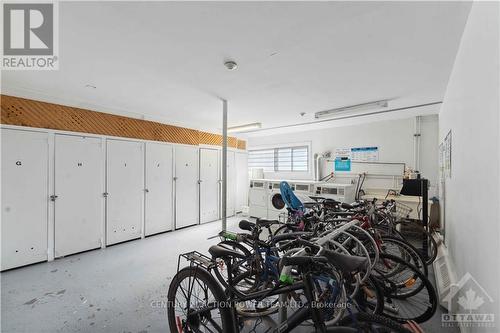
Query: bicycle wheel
284, 229
370, 297
367, 322
431, 242
401, 248
240, 267
196, 303
409, 295
432, 250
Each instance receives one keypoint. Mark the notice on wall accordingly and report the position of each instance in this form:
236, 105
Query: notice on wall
342, 159
447, 155
342, 152
441, 161
364, 154
342, 164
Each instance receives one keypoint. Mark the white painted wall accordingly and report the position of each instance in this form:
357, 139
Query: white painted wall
471, 111
393, 137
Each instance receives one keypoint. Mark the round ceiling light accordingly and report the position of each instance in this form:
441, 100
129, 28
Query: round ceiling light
231, 65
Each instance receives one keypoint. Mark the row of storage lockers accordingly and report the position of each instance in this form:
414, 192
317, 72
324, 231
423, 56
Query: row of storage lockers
86, 192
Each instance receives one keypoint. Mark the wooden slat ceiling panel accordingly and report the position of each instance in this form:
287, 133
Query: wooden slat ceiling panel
31, 113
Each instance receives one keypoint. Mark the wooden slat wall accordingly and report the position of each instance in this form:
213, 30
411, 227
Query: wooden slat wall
31, 113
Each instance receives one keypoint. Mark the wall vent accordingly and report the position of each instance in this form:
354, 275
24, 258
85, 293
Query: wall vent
443, 271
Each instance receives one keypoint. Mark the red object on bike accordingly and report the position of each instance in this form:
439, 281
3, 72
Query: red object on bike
179, 324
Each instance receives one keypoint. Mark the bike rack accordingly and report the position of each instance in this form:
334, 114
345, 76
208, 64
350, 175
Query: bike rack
197, 259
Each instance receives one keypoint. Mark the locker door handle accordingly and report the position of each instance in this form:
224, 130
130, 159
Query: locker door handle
175, 178
146, 190
105, 194
53, 197
200, 181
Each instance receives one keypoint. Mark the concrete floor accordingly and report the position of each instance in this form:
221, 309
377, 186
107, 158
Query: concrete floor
109, 290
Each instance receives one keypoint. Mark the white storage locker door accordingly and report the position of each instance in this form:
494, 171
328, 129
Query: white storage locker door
241, 181
125, 188
79, 186
186, 186
209, 185
231, 183
159, 188
24, 197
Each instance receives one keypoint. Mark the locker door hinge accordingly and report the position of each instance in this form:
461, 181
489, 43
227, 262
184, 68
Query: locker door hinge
53, 197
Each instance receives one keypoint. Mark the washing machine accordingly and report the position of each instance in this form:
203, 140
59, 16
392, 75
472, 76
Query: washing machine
304, 188
276, 209
339, 192
258, 197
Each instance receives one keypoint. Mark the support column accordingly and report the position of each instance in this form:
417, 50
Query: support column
224, 165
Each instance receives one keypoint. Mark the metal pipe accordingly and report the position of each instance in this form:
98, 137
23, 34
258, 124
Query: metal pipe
224, 165
416, 144
345, 117
317, 158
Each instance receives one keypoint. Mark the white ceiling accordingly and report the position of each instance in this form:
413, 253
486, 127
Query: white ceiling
164, 60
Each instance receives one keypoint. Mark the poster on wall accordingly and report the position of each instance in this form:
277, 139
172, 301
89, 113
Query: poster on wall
342, 164
342, 152
447, 155
441, 161
342, 159
364, 154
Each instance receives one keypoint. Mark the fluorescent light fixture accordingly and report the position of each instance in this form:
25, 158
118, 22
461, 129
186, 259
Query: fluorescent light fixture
242, 128
351, 108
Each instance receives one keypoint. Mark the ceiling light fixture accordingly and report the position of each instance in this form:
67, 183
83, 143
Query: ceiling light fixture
352, 108
231, 65
242, 128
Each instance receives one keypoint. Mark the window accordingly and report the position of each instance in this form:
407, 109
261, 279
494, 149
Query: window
283, 159
261, 159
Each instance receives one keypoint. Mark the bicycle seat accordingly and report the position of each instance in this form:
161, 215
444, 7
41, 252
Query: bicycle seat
266, 223
218, 251
291, 236
246, 225
345, 262
346, 205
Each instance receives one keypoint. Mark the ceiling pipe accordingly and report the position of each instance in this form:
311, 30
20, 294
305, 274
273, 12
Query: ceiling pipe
344, 117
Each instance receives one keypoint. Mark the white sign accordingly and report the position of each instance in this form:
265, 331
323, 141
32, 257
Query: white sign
364, 154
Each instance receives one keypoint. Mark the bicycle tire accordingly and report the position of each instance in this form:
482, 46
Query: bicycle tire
372, 319
416, 256
213, 286
406, 299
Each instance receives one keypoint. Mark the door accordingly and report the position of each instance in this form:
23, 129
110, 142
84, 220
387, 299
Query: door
159, 188
186, 186
209, 185
24, 197
231, 184
242, 185
125, 190
79, 186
